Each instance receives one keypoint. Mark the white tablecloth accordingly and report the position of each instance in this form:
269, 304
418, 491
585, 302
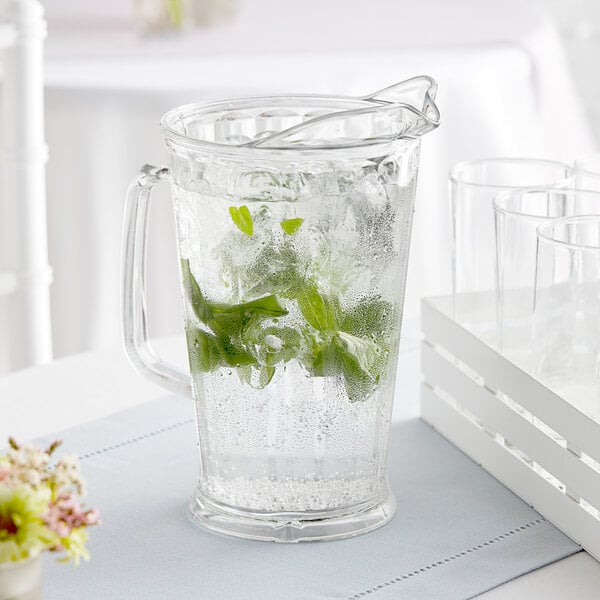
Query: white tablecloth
504, 90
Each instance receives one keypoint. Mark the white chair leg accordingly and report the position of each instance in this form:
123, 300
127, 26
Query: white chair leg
23, 233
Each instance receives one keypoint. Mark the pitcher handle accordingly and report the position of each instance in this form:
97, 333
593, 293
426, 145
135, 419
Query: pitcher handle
138, 348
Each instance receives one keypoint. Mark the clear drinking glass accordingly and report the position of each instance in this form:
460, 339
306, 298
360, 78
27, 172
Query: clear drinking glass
517, 217
293, 223
567, 310
473, 185
587, 172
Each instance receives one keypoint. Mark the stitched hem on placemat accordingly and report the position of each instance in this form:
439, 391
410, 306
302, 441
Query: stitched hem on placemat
446, 560
138, 438
501, 583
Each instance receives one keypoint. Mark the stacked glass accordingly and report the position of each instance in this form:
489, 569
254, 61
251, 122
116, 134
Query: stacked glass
473, 186
536, 296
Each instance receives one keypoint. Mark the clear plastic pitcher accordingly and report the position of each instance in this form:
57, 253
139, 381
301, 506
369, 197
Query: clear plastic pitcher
293, 223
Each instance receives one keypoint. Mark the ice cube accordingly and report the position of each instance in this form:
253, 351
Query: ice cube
399, 171
277, 119
233, 124
320, 184
264, 185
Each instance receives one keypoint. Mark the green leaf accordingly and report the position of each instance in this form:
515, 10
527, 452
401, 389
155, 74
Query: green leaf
358, 385
370, 318
233, 315
290, 226
319, 310
361, 364
226, 343
208, 352
364, 353
200, 306
245, 374
267, 305
233, 354
351, 344
242, 218
233, 319
266, 374
326, 360
204, 350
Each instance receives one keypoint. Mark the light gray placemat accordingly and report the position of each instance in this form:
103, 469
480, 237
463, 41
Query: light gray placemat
457, 531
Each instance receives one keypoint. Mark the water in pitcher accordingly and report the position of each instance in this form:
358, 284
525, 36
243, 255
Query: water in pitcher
291, 282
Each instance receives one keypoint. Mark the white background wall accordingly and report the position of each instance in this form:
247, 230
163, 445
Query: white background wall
579, 24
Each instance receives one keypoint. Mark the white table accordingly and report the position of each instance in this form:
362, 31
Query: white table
504, 90
78, 389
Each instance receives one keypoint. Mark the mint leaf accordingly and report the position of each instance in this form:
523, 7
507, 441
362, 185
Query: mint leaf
204, 350
319, 310
267, 305
361, 364
364, 353
233, 354
200, 305
326, 360
290, 226
208, 352
370, 318
242, 218
352, 344
232, 319
231, 316
245, 374
359, 386
266, 374
225, 344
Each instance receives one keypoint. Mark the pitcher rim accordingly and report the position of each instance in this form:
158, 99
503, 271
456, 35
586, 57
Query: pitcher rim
182, 140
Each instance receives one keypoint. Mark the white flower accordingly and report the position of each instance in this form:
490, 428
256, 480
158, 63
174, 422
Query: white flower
32, 477
69, 462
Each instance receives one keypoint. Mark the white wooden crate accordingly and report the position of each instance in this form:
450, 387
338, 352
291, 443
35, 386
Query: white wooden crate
542, 448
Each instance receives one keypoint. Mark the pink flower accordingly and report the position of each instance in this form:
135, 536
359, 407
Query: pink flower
4, 473
66, 514
92, 517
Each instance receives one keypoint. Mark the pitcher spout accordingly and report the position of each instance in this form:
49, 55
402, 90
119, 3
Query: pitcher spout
405, 110
416, 95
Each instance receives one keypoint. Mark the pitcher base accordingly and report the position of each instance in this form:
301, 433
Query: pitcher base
205, 513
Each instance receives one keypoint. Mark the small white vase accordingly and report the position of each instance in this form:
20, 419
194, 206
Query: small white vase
21, 580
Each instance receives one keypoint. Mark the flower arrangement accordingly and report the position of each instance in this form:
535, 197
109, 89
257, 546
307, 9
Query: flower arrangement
40, 505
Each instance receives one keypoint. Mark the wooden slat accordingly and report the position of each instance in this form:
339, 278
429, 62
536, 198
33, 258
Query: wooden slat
557, 507
499, 373
569, 469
